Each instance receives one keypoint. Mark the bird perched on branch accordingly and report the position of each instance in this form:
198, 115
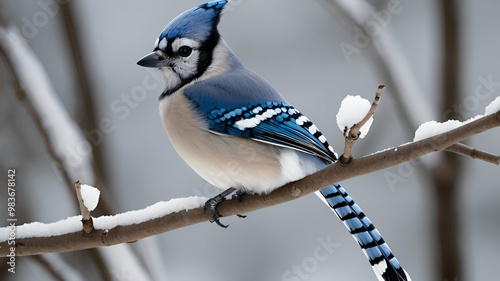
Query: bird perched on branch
238, 133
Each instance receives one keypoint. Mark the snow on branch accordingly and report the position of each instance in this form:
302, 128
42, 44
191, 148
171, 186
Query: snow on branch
66, 235
432, 128
351, 112
493, 107
88, 197
104, 223
354, 119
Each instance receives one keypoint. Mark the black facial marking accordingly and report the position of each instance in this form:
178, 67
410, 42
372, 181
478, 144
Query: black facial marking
206, 53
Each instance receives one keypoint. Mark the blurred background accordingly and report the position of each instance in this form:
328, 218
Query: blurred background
438, 59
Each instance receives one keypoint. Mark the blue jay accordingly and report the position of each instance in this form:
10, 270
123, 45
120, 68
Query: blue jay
238, 133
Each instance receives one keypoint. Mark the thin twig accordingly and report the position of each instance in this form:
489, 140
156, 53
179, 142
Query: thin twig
473, 153
334, 173
88, 225
353, 134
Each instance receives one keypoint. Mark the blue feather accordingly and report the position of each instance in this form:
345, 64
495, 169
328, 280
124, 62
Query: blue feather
197, 23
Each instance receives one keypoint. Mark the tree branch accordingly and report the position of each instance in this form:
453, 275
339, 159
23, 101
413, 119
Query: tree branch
334, 173
88, 225
353, 134
473, 153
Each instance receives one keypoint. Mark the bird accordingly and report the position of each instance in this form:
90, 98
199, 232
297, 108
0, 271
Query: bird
236, 131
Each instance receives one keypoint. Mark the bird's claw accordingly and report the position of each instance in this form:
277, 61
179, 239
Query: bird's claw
212, 204
239, 197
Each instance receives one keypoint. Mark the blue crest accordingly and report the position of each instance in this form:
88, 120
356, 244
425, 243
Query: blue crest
197, 23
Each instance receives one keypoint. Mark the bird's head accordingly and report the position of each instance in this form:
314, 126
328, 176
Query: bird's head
184, 50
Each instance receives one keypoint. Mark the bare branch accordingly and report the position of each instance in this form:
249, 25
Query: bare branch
473, 153
334, 173
353, 134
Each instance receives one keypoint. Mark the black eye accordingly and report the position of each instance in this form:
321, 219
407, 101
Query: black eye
185, 51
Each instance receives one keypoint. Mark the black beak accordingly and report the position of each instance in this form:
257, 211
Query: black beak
151, 60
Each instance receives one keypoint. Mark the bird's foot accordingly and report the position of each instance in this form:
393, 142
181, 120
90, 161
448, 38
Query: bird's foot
239, 197
240, 194
212, 204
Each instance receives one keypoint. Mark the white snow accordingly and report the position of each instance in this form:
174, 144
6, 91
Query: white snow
90, 196
472, 119
493, 107
432, 128
352, 110
38, 229
154, 211
73, 224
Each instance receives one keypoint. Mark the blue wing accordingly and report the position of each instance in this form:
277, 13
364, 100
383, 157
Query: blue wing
245, 105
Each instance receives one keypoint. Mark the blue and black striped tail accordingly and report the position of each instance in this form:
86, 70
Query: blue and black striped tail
382, 260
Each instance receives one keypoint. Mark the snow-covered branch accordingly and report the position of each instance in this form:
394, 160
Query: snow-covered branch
353, 123
67, 235
87, 196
